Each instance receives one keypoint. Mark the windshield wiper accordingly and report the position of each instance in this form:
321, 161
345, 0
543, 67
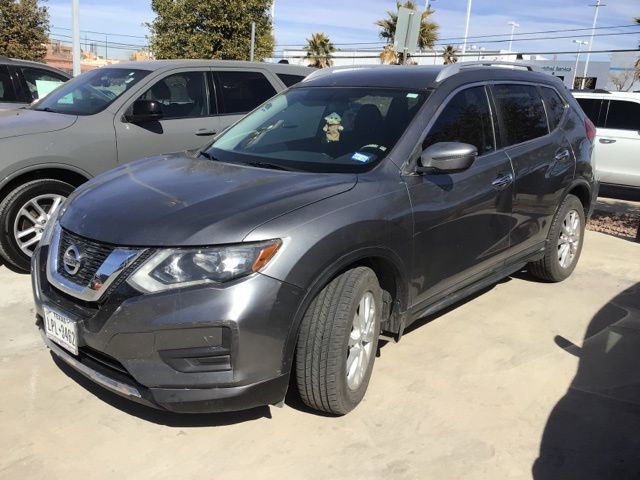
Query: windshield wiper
46, 109
272, 166
207, 155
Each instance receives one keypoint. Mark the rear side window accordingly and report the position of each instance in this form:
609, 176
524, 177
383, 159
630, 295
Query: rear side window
554, 105
467, 119
241, 92
522, 113
289, 79
623, 115
41, 82
592, 108
7, 93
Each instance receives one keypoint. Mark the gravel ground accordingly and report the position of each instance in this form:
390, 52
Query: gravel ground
619, 218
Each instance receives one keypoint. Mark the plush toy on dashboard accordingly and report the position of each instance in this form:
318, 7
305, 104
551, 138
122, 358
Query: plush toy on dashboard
333, 127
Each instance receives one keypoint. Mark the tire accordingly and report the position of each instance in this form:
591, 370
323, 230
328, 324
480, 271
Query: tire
550, 268
44, 192
324, 342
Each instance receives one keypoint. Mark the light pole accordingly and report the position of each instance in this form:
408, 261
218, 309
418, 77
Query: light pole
575, 70
466, 28
514, 25
593, 28
75, 20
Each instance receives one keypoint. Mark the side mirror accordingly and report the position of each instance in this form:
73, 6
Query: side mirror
447, 157
144, 111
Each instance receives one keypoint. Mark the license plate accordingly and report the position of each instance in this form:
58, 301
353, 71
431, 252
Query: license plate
61, 329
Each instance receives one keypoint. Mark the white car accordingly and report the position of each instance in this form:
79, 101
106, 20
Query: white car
616, 116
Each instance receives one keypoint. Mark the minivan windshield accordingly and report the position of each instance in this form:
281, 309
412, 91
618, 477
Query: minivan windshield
321, 129
91, 92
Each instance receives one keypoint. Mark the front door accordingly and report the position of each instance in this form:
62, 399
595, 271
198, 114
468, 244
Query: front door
462, 220
188, 121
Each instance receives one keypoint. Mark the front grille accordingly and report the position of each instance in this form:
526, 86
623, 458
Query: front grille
93, 253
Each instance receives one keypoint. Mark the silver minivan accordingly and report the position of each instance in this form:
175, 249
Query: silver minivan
110, 116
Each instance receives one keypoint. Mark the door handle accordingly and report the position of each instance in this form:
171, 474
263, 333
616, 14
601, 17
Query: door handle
205, 132
562, 155
607, 141
502, 181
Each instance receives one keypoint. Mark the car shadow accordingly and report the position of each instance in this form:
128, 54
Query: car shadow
161, 417
593, 432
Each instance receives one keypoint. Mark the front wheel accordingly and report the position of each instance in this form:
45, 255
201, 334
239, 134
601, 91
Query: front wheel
23, 216
564, 242
338, 341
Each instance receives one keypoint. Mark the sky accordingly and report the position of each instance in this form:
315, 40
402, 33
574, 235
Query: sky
349, 21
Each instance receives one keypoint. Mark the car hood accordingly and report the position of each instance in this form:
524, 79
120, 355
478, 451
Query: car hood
177, 200
14, 123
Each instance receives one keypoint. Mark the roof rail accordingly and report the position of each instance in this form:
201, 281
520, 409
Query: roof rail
455, 68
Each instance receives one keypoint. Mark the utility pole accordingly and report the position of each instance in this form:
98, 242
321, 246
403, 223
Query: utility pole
75, 15
514, 25
575, 70
466, 28
593, 29
253, 40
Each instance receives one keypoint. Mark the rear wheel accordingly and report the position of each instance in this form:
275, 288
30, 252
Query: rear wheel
23, 216
338, 341
564, 242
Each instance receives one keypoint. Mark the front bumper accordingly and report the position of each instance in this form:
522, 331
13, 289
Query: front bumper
192, 350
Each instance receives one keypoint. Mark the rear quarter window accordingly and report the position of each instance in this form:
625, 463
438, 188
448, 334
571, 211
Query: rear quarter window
522, 113
554, 106
290, 80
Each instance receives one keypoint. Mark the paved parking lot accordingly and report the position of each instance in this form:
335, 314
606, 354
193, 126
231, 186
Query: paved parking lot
474, 393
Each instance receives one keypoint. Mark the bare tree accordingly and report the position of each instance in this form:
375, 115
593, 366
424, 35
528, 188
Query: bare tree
623, 81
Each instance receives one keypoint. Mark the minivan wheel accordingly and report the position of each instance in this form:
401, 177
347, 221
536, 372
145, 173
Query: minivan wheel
338, 341
23, 215
563, 244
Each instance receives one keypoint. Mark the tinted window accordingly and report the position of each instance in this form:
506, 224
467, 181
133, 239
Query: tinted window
522, 112
289, 80
592, 107
91, 92
555, 106
181, 95
7, 94
41, 82
241, 92
467, 119
623, 115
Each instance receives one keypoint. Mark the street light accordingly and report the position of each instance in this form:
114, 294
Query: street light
593, 28
75, 20
466, 28
514, 25
575, 70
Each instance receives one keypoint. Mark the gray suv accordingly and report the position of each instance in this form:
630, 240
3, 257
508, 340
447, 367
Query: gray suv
110, 116
336, 214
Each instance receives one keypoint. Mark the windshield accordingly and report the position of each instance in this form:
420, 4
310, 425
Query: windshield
321, 129
91, 92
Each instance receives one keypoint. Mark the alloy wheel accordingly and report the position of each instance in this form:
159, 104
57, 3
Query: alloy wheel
360, 345
569, 240
31, 220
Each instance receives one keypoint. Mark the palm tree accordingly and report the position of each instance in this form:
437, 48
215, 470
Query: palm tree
388, 56
319, 49
428, 30
450, 55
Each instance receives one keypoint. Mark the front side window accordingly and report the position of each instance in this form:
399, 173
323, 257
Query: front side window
91, 92
181, 95
241, 92
522, 112
555, 106
40, 82
592, 108
623, 115
7, 93
322, 129
466, 119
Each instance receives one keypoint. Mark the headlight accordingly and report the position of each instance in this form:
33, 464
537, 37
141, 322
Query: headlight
178, 268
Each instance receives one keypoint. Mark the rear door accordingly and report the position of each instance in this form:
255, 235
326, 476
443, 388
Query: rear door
462, 220
618, 144
189, 120
239, 91
542, 160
